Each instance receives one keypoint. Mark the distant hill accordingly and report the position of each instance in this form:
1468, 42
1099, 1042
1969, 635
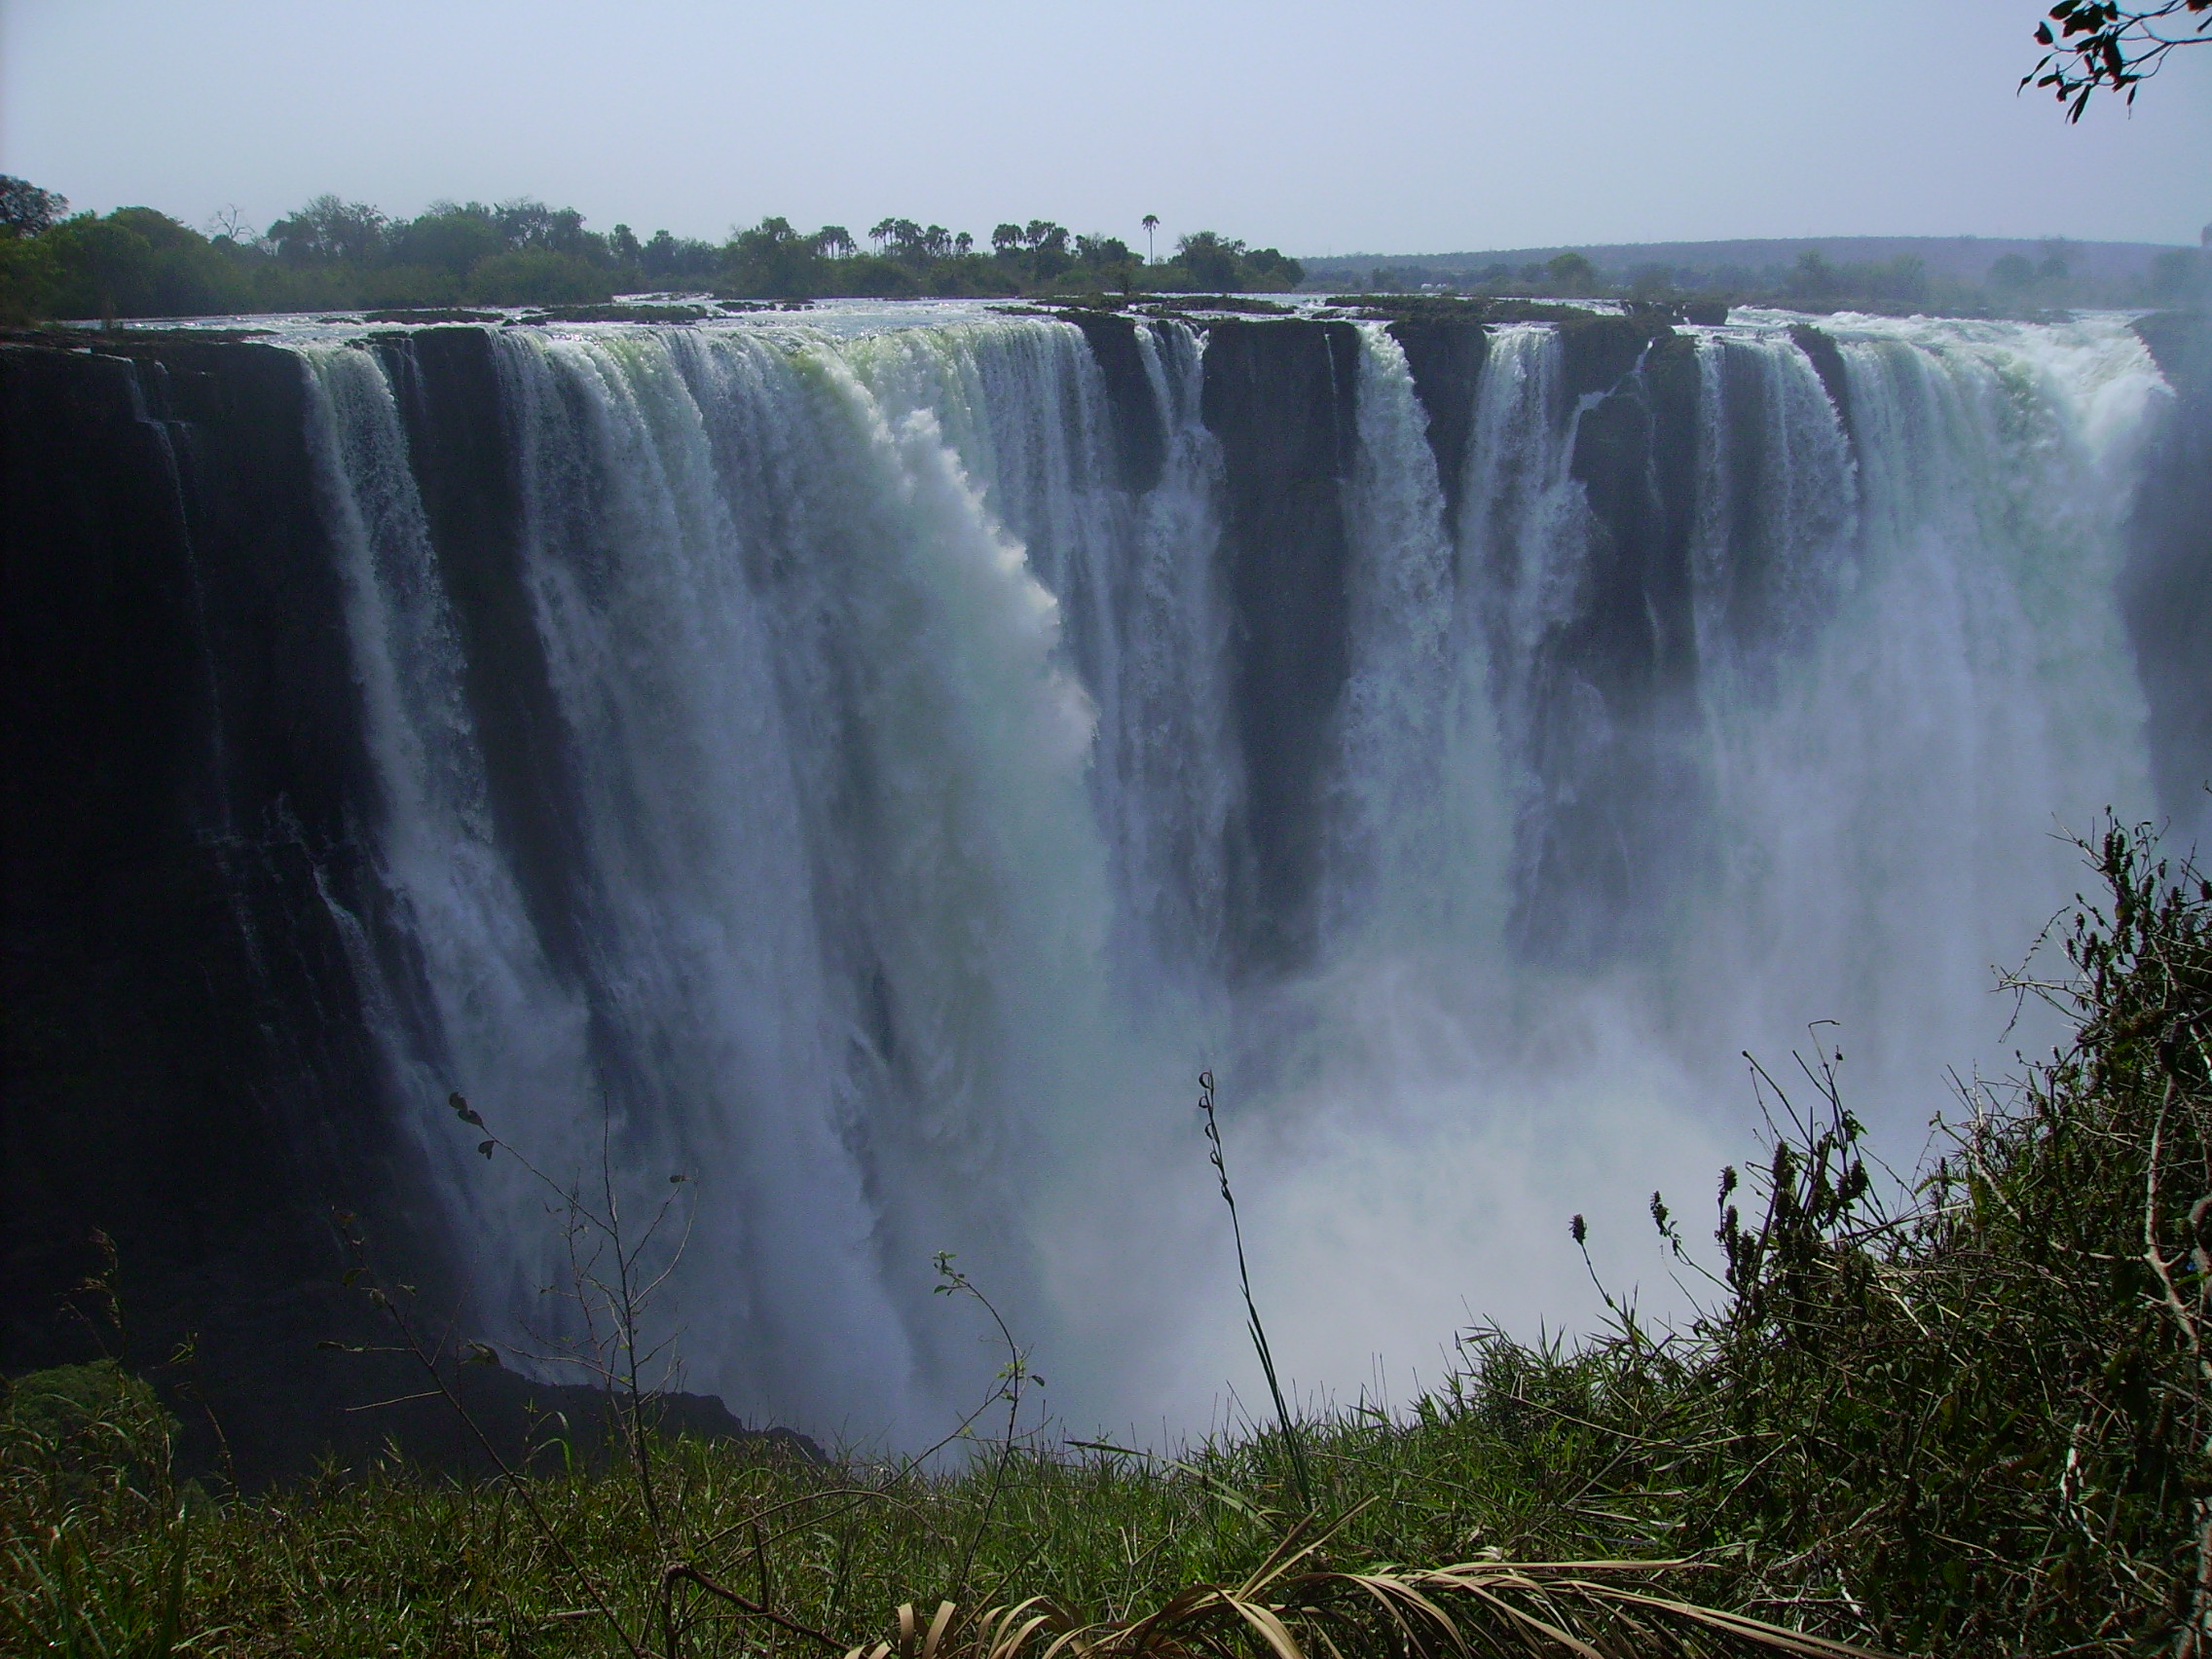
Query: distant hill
1741, 263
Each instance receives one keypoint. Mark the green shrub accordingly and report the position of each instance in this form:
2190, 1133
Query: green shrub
135, 262
536, 276
26, 278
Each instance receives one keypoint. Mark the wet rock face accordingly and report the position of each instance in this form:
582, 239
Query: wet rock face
189, 1067
186, 1065
1445, 360
1600, 351
1618, 680
1612, 681
2166, 589
1140, 437
450, 402
1278, 398
1828, 362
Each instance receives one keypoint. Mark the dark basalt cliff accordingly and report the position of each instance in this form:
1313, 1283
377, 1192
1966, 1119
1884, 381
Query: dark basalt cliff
1617, 685
2165, 592
1828, 362
461, 452
1615, 679
187, 1066
1140, 438
1614, 682
1445, 360
1278, 396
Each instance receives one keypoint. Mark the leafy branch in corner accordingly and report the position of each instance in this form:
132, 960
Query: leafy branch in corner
2098, 43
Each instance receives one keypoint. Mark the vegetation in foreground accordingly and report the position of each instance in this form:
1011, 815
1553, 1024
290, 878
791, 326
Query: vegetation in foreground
1977, 1427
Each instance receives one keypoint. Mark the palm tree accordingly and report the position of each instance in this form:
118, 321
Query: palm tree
1151, 224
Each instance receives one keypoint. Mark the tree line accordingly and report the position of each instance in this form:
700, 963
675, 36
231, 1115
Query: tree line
334, 254
2012, 286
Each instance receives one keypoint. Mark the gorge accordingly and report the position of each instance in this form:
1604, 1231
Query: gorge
865, 760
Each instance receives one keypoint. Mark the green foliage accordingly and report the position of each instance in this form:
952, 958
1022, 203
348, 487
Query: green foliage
1880, 285
1209, 260
334, 254
1985, 1421
772, 261
134, 262
86, 1450
391, 1561
535, 275
93, 1419
27, 280
451, 240
26, 209
1571, 273
1206, 262
2100, 43
81, 1602
329, 231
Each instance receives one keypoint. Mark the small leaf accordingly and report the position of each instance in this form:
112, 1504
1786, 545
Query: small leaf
485, 1147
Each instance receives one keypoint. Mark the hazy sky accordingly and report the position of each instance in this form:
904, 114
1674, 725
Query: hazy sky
1400, 126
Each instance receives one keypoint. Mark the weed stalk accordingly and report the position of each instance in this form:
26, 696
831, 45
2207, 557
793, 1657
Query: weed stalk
1293, 1444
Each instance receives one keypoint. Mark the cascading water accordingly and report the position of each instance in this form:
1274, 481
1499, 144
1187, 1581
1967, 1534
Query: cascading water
876, 868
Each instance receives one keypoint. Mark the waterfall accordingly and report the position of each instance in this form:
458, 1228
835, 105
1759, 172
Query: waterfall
824, 780
1945, 691
1418, 821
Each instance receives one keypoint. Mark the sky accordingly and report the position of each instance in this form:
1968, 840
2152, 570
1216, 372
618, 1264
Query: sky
1402, 126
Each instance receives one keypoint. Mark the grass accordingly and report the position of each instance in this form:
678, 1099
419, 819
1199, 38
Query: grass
1979, 1425
393, 1561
